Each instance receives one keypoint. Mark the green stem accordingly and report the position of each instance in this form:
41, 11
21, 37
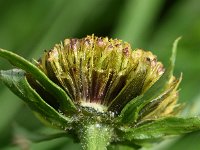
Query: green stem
96, 136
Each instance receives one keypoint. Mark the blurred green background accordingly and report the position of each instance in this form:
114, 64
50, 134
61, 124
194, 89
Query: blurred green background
28, 27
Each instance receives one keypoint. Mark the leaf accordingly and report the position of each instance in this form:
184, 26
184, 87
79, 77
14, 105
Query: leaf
160, 128
190, 140
65, 102
131, 110
16, 81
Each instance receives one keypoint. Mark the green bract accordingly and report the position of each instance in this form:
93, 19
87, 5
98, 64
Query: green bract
101, 91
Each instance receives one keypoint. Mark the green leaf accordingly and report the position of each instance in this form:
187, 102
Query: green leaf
130, 112
15, 80
65, 102
160, 128
190, 140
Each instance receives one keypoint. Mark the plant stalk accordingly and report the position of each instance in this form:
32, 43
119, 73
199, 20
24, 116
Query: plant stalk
96, 136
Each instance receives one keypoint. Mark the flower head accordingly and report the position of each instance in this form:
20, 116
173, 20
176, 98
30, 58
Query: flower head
101, 73
101, 91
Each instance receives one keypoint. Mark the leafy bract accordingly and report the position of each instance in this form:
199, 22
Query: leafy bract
160, 128
65, 102
130, 112
16, 81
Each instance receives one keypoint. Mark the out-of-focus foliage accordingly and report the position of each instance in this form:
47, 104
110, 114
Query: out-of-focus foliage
29, 27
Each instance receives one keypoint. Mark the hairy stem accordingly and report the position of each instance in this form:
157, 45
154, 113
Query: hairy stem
96, 136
